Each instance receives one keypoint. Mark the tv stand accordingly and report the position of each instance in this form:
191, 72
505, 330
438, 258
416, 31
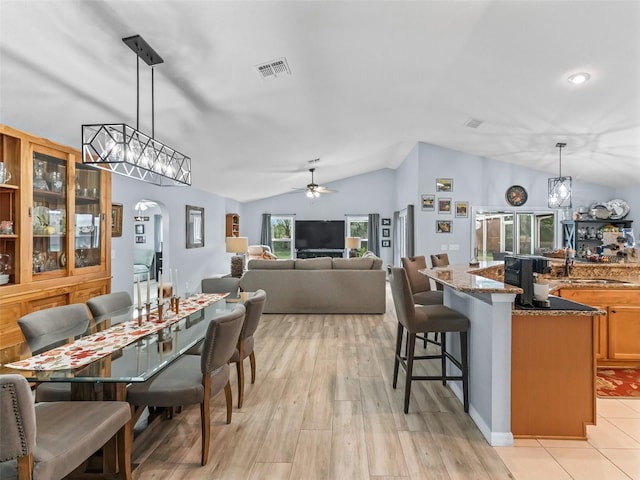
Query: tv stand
321, 252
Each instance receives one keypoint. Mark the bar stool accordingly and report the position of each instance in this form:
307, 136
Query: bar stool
422, 320
439, 260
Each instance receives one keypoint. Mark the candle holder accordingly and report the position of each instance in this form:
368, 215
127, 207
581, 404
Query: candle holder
139, 310
148, 307
160, 305
176, 305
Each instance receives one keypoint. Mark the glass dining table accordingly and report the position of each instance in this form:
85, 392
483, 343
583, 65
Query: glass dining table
123, 347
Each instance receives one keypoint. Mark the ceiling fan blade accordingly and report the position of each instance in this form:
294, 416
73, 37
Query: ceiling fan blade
322, 189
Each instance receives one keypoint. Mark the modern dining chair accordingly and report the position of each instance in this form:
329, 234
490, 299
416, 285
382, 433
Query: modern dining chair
109, 303
422, 320
48, 441
229, 285
439, 260
50, 328
245, 347
195, 379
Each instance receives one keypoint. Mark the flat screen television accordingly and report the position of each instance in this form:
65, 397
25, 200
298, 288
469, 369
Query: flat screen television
319, 234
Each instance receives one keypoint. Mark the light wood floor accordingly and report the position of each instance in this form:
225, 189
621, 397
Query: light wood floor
323, 407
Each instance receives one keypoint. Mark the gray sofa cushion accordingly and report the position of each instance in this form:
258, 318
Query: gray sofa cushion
321, 263
377, 261
352, 263
270, 264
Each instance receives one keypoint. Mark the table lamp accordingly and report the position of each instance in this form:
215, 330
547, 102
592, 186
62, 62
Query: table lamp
353, 244
239, 246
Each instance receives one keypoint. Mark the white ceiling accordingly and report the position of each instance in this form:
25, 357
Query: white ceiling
369, 80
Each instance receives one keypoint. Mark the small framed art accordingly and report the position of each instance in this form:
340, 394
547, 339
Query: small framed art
443, 226
462, 209
141, 239
444, 184
116, 219
386, 243
428, 203
444, 205
139, 229
386, 232
386, 222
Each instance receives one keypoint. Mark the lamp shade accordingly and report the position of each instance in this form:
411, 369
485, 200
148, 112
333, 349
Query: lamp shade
237, 244
353, 242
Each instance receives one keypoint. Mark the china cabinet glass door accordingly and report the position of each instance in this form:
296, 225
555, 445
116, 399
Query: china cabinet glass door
88, 244
49, 215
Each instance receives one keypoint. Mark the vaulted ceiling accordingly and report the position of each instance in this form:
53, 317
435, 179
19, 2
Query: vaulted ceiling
368, 80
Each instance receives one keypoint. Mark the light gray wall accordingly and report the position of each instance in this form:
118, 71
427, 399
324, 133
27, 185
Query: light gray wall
369, 193
192, 264
481, 182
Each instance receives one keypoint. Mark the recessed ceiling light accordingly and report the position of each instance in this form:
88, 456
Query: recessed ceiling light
579, 78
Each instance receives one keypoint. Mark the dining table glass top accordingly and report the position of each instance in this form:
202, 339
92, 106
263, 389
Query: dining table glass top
123, 346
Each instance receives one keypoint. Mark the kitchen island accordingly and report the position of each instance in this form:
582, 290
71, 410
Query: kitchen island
494, 360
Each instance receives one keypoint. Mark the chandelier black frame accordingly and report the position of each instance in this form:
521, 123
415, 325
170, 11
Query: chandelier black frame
122, 149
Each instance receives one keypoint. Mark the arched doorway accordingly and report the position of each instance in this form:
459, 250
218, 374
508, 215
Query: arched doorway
149, 249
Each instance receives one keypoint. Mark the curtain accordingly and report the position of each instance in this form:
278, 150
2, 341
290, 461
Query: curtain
410, 232
397, 237
374, 233
265, 233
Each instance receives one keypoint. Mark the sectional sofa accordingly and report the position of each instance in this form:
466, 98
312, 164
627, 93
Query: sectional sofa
319, 285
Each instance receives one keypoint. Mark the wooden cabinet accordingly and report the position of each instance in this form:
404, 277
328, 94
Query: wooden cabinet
58, 250
618, 331
233, 225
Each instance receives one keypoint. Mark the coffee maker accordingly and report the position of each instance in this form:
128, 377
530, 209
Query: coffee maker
520, 271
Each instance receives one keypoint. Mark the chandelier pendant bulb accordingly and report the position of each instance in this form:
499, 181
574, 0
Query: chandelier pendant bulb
560, 187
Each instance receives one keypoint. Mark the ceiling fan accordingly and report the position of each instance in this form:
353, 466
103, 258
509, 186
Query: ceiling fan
313, 190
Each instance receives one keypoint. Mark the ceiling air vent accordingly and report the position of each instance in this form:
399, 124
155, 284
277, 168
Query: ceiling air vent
274, 68
473, 123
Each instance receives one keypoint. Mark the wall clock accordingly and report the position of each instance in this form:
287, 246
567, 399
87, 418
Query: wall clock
516, 196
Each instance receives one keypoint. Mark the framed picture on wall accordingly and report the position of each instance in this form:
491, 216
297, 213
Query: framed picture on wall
443, 226
462, 209
141, 239
444, 205
386, 243
444, 184
386, 222
428, 203
116, 219
139, 229
386, 232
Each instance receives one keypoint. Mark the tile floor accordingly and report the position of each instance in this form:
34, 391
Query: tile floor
611, 452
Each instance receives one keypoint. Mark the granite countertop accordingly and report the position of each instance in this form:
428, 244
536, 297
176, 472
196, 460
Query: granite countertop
487, 278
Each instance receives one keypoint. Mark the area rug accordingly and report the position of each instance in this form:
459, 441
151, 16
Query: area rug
618, 382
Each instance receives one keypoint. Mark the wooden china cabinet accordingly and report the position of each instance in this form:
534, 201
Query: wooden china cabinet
58, 249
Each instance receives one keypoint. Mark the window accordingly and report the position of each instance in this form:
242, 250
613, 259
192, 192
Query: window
358, 226
501, 232
282, 235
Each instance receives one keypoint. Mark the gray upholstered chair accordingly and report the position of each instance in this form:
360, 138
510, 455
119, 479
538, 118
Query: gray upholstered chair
221, 285
421, 320
108, 303
439, 260
50, 328
195, 379
254, 306
48, 441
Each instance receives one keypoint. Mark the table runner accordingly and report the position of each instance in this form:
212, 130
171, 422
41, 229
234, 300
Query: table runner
88, 349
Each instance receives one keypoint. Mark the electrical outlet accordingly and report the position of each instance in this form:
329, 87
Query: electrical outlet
443, 247
454, 246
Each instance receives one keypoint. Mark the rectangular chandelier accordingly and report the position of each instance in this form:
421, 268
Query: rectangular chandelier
122, 149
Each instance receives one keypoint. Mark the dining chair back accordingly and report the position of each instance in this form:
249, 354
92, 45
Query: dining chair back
229, 285
422, 320
246, 342
109, 303
50, 440
49, 328
195, 379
